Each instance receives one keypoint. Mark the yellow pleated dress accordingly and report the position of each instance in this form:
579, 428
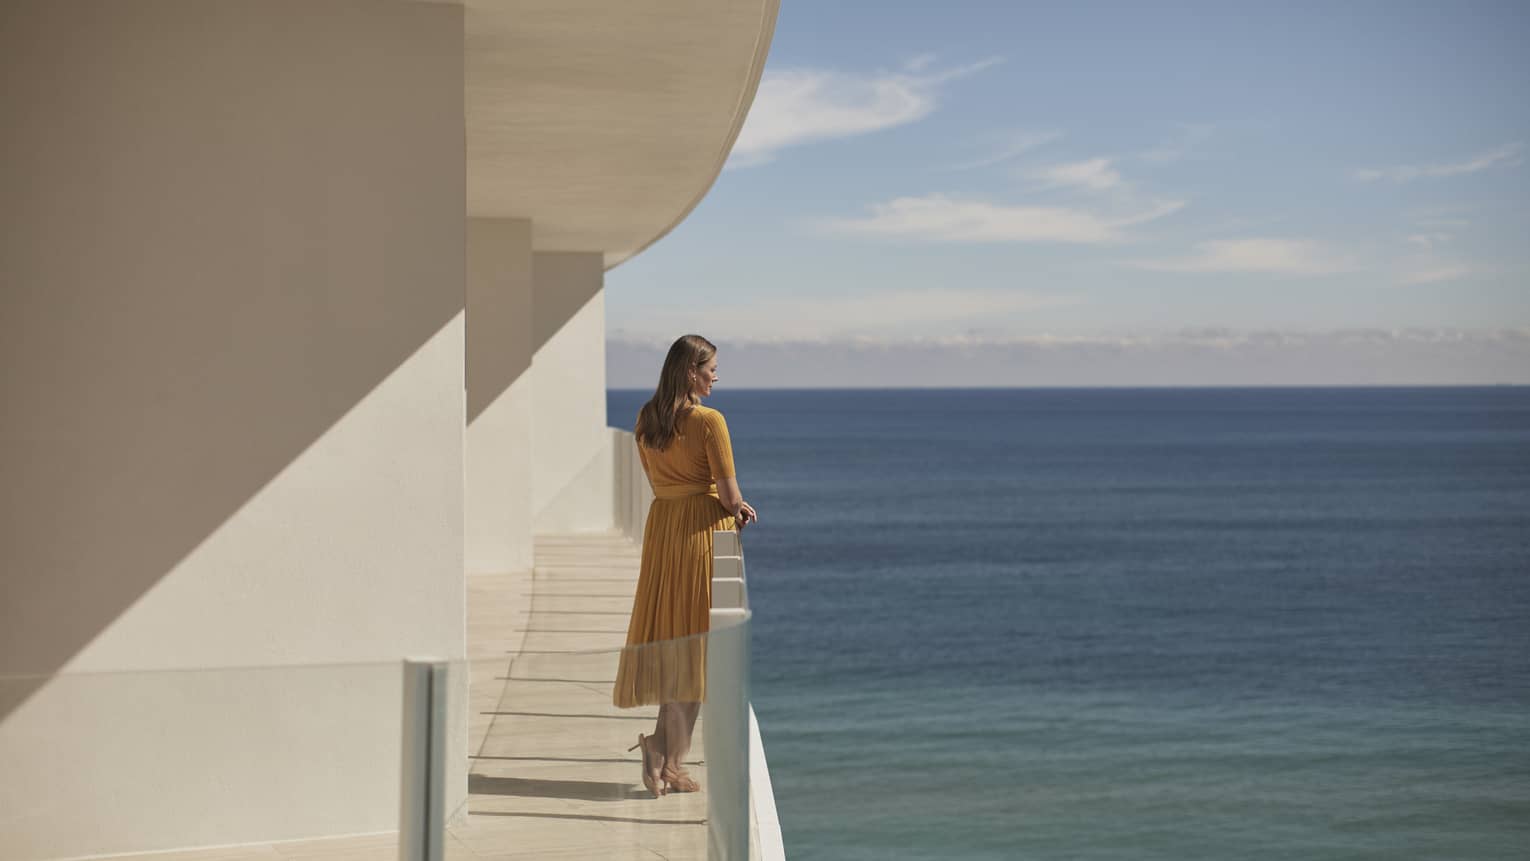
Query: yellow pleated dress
665, 657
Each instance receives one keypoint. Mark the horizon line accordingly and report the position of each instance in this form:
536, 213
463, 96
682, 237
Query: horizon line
1502, 385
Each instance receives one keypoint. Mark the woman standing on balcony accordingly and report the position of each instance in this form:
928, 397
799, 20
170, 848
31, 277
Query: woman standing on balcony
686, 453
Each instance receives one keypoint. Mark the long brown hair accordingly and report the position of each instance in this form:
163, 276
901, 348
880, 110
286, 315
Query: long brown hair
658, 418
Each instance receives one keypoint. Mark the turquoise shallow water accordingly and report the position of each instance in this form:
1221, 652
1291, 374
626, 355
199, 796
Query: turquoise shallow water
1208, 623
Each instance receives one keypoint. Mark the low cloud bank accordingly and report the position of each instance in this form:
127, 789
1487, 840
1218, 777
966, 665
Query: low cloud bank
1189, 357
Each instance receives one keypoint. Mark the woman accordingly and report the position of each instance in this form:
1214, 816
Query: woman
686, 453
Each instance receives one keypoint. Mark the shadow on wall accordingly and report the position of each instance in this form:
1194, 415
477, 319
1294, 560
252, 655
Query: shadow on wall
195, 296
499, 287
175, 343
506, 328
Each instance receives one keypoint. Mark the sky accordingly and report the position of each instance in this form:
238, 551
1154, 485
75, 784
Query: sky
1036, 194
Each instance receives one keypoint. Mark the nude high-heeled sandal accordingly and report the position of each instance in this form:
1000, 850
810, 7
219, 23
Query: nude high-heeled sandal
650, 774
678, 780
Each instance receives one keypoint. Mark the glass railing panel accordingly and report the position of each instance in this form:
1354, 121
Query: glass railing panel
552, 774
307, 759
109, 763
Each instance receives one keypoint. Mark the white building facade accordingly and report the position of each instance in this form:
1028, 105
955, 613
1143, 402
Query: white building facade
302, 324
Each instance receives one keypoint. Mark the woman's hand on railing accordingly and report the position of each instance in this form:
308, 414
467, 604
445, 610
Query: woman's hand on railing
733, 500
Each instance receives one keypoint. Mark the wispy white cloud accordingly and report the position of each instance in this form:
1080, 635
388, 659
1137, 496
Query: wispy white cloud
1447, 223
1439, 272
1006, 147
1095, 174
1432, 263
919, 63
1189, 137
1153, 213
1284, 256
1508, 155
798, 106
957, 72
1428, 241
1439, 217
940, 218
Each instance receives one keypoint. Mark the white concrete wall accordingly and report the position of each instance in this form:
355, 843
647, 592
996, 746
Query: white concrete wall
499, 400
632, 491
574, 466
231, 254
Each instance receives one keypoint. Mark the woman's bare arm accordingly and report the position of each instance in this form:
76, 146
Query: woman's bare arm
727, 491
733, 499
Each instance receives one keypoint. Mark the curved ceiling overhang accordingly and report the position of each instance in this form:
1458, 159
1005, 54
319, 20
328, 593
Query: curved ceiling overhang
606, 121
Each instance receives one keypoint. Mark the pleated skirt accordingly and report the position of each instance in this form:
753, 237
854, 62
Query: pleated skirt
665, 657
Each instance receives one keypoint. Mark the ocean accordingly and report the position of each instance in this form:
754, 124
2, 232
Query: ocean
1256, 623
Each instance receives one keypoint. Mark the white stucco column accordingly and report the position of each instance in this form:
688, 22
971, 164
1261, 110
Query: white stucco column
499, 396
573, 465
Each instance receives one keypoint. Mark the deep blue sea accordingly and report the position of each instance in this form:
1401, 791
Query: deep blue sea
1263, 623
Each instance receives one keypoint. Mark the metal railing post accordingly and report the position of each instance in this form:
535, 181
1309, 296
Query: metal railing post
422, 791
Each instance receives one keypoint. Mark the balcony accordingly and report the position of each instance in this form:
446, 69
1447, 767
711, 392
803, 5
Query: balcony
547, 773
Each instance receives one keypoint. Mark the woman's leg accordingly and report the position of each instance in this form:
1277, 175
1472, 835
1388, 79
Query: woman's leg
657, 742
678, 730
658, 728
692, 710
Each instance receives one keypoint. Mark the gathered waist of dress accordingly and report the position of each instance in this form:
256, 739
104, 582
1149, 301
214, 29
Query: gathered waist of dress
680, 491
